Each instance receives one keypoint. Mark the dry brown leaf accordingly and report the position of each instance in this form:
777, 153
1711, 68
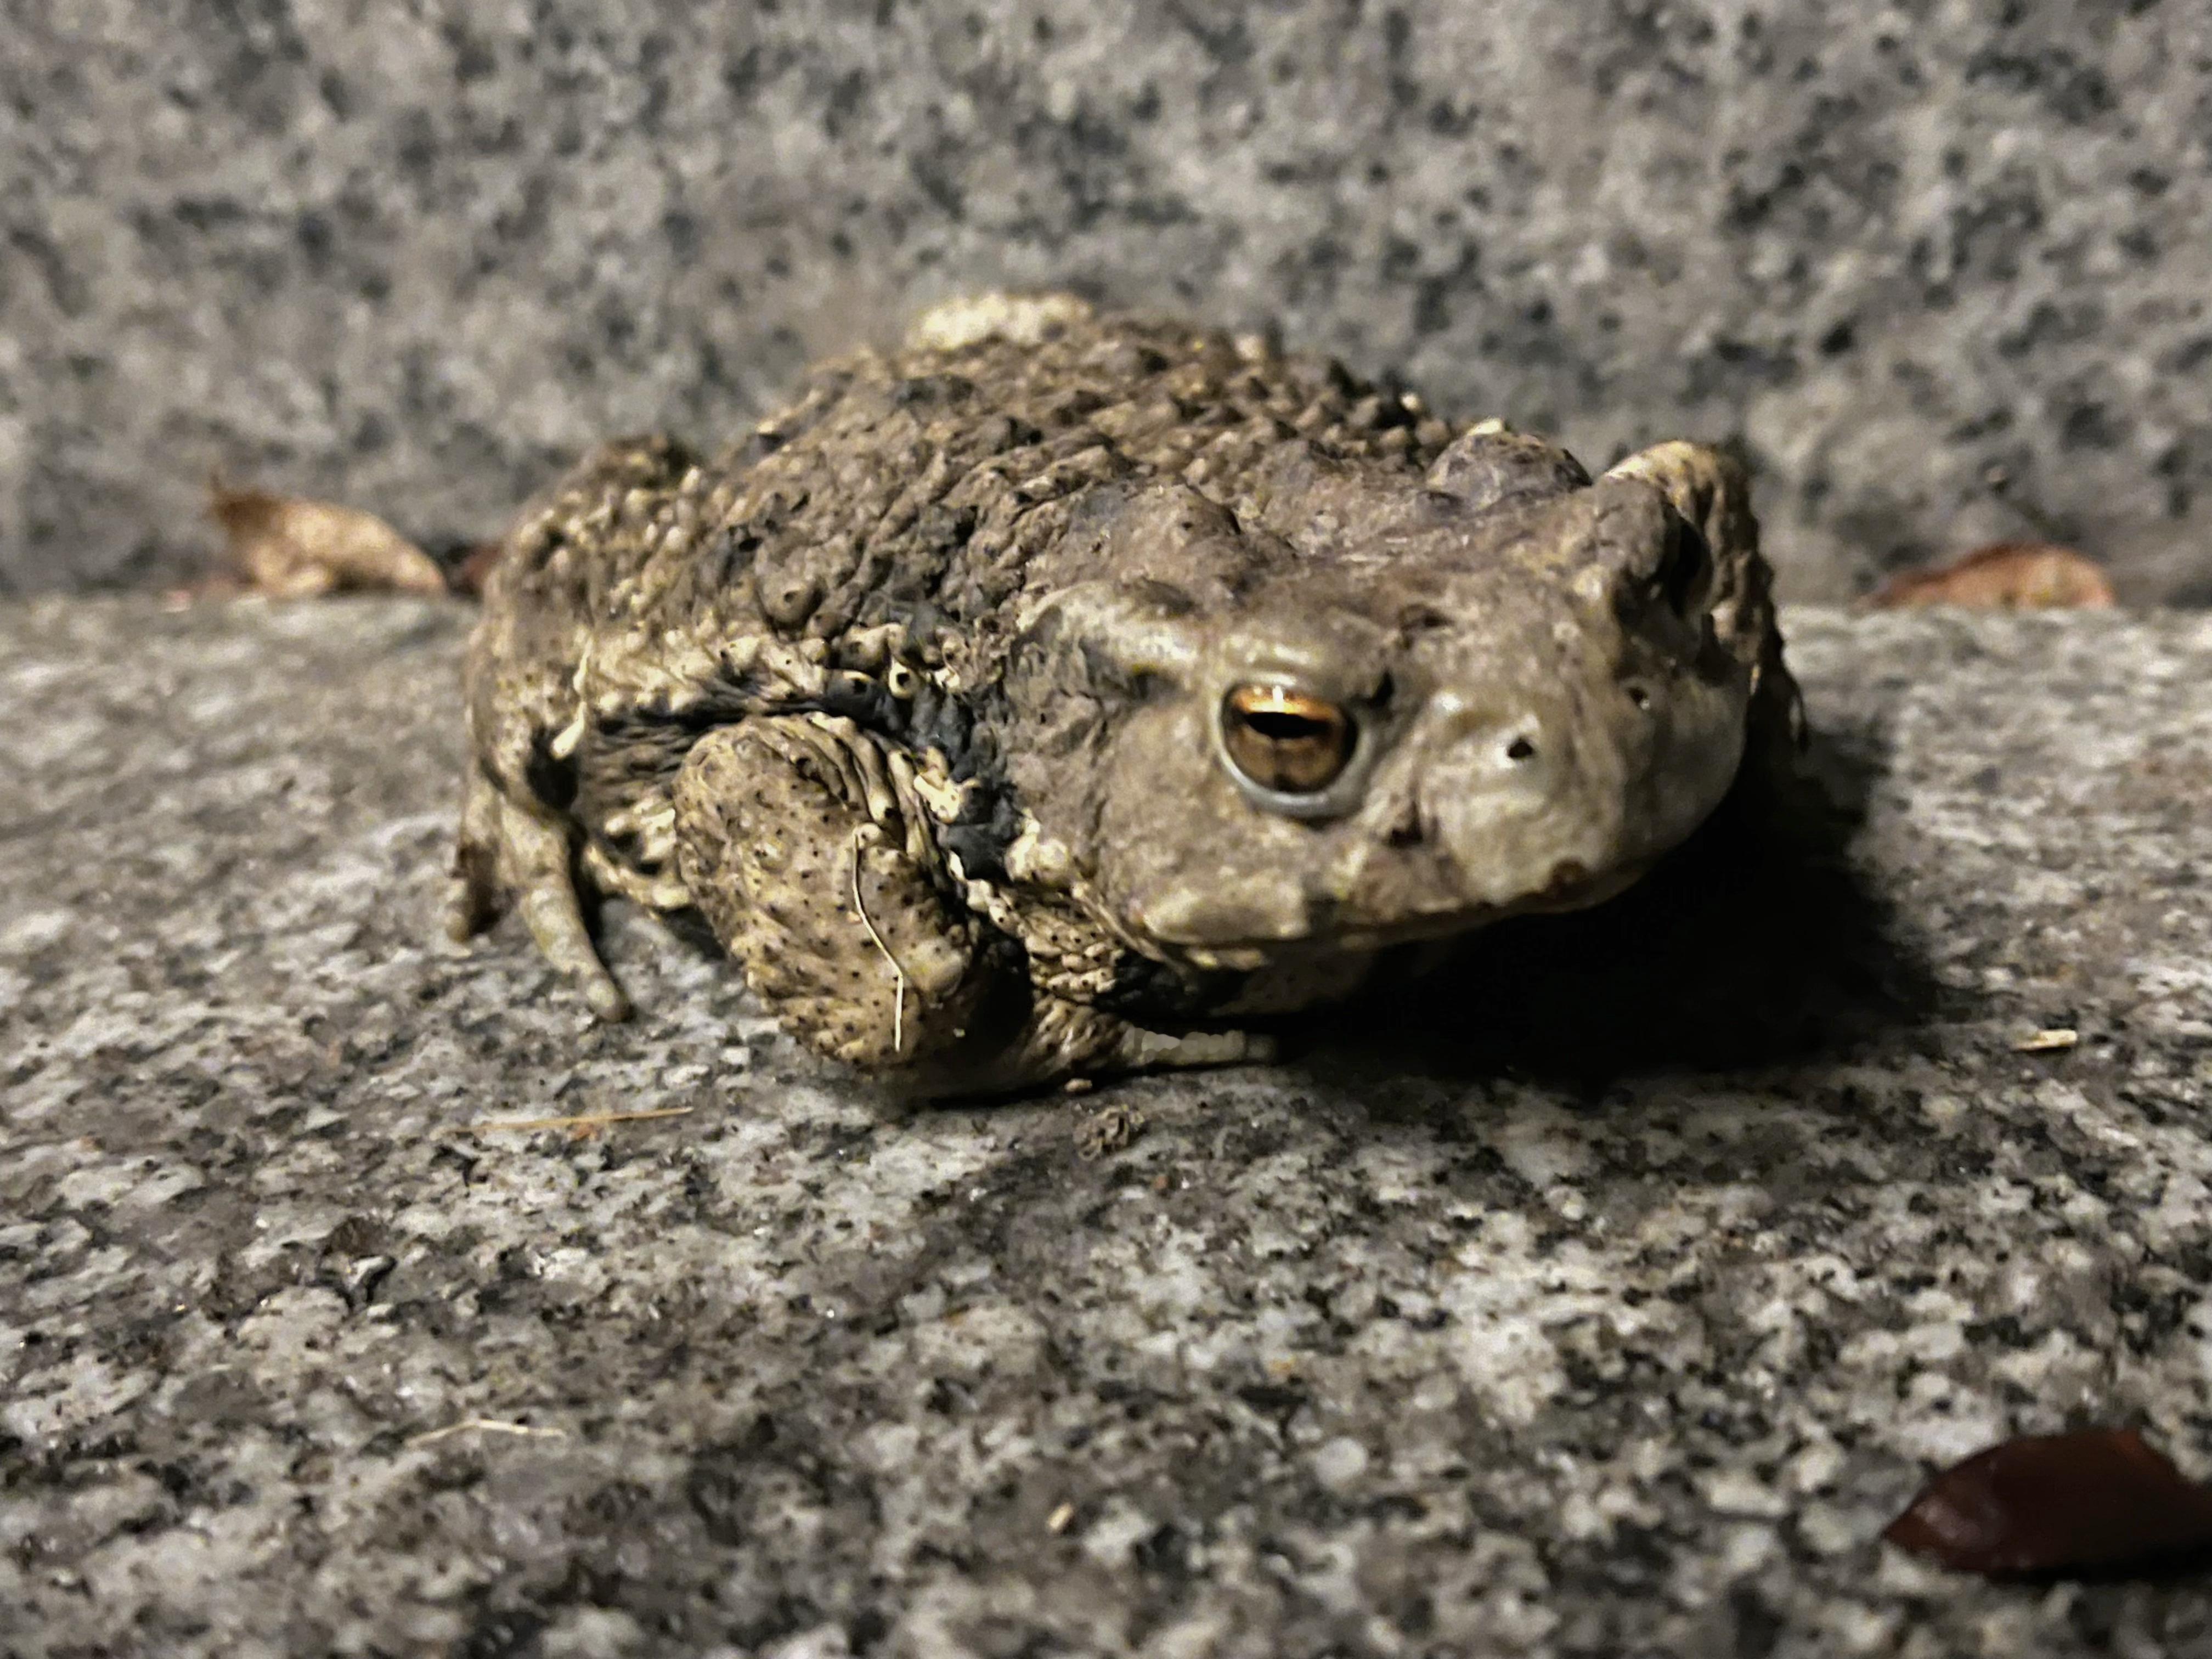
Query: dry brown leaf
2097, 1501
286, 548
475, 568
2009, 576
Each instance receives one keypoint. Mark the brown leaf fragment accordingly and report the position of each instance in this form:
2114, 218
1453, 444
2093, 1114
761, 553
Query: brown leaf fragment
1108, 1131
475, 568
2100, 1500
286, 548
2007, 576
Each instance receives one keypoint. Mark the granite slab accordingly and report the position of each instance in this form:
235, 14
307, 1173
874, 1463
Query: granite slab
1608, 1302
1938, 268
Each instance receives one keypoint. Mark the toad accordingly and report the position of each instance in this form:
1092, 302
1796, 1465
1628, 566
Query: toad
1066, 693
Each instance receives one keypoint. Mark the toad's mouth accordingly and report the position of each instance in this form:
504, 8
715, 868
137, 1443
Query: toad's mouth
1570, 887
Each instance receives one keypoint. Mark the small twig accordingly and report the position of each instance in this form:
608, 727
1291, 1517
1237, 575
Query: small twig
489, 1425
898, 974
582, 1120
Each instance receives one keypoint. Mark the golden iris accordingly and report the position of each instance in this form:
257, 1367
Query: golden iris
1284, 740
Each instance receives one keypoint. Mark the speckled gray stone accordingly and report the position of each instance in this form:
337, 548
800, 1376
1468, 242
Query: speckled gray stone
1372, 1353
1939, 267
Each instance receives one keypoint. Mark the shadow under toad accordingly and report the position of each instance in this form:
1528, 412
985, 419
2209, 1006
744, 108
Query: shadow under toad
1756, 943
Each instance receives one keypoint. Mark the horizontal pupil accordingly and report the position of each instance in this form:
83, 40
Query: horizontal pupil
1287, 728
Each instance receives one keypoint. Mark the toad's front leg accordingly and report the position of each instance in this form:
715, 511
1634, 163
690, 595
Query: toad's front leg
809, 855
509, 853
789, 837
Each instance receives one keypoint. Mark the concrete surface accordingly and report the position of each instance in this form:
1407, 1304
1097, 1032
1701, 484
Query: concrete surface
1940, 266
1500, 1343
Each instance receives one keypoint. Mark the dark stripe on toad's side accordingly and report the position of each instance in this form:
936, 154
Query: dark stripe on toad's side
653, 740
988, 825
549, 777
867, 702
1146, 989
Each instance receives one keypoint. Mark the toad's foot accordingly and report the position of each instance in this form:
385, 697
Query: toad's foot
507, 855
790, 835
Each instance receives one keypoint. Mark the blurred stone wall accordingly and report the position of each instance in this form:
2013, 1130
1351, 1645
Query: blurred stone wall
1940, 268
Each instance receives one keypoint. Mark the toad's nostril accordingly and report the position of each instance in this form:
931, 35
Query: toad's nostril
1520, 748
1640, 697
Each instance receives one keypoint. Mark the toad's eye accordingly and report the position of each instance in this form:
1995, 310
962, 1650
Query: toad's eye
1284, 740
